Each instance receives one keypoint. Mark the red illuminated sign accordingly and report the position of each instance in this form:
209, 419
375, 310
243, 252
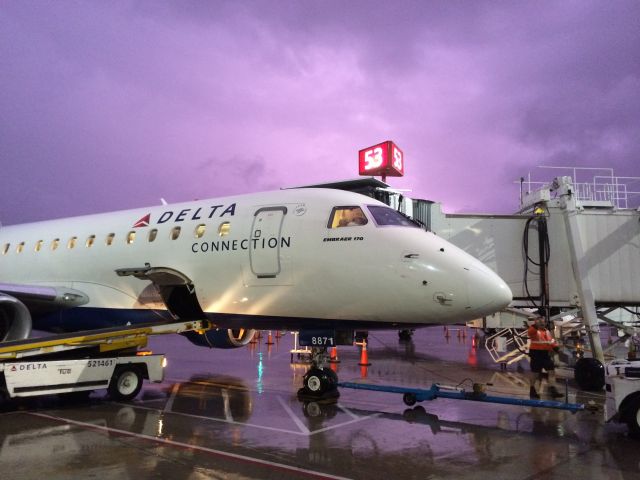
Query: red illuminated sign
384, 159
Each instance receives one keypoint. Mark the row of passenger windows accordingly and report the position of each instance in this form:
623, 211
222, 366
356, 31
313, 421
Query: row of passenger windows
223, 229
346, 216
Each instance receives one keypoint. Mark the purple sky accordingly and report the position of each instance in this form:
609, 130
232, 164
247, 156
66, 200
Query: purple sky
112, 105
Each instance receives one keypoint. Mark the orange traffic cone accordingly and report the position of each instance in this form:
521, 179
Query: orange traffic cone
334, 356
269, 338
446, 332
364, 358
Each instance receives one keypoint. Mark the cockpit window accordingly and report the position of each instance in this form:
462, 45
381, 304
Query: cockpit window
347, 217
388, 216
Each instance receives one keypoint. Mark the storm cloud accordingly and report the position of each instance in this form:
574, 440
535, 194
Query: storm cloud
110, 105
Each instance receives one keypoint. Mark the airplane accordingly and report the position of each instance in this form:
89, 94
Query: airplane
315, 260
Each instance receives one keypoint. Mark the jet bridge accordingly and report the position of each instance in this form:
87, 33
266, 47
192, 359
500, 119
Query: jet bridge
560, 252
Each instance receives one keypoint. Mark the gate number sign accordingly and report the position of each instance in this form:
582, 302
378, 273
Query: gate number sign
384, 159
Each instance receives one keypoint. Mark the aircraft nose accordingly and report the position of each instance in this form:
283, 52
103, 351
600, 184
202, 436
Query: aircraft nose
487, 292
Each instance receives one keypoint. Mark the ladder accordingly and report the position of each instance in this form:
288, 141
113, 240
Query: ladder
507, 346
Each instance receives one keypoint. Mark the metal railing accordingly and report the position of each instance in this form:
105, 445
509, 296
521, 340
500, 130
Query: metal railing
605, 186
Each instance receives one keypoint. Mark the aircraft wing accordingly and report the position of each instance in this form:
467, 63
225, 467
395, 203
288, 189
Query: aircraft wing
42, 298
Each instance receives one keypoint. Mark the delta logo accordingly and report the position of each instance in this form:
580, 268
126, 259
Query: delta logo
143, 222
189, 214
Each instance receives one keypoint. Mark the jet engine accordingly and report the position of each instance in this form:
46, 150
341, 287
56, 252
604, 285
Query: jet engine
221, 338
15, 319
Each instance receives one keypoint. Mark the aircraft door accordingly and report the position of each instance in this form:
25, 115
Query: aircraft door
264, 248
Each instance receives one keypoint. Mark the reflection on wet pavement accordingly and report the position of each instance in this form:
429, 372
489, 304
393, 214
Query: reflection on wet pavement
235, 414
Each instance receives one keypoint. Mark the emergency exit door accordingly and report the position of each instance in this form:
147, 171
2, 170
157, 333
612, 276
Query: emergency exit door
264, 249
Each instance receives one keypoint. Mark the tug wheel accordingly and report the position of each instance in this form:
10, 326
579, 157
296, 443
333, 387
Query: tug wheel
409, 399
125, 383
633, 418
589, 374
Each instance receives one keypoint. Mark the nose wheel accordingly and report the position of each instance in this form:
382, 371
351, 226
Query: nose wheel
405, 335
320, 382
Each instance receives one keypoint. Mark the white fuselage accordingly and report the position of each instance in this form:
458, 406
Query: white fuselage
259, 256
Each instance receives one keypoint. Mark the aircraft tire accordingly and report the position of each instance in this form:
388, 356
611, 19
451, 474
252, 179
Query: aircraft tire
405, 335
333, 377
125, 384
319, 381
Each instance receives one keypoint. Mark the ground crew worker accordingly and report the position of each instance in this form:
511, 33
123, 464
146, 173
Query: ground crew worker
540, 348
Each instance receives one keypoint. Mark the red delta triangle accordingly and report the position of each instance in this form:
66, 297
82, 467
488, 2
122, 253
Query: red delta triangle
143, 222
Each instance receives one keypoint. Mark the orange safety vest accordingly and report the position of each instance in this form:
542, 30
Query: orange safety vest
540, 339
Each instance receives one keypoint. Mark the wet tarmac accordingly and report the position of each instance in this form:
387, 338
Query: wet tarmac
235, 414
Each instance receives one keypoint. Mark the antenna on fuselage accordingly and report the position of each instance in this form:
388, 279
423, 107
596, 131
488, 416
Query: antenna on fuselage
163, 201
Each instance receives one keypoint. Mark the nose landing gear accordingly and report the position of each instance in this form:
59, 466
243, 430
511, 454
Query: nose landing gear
320, 382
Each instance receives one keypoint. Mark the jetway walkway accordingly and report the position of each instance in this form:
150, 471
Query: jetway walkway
559, 253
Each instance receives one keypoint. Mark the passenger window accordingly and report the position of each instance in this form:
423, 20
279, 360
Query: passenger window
153, 233
110, 237
6, 248
200, 230
72, 242
131, 236
55, 243
90, 241
175, 233
39, 245
347, 217
20, 247
224, 229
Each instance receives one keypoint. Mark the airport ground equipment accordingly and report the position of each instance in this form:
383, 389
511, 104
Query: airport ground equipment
412, 395
622, 385
81, 362
121, 375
